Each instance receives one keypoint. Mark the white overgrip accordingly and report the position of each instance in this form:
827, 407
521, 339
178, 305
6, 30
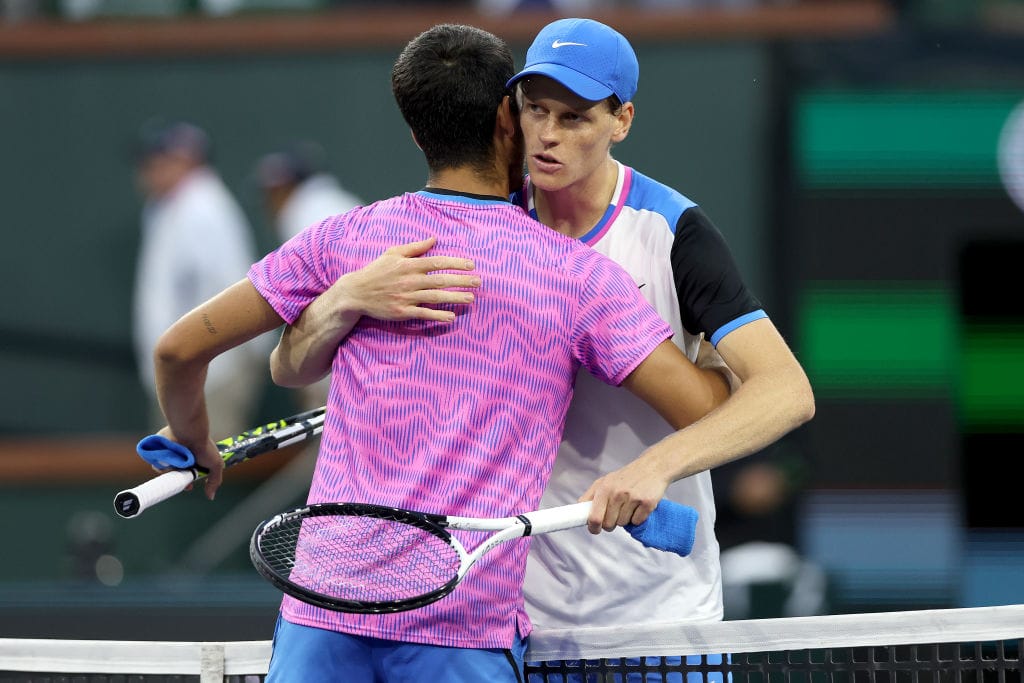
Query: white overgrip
132, 502
559, 518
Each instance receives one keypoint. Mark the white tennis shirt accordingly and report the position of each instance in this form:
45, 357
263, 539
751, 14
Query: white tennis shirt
684, 269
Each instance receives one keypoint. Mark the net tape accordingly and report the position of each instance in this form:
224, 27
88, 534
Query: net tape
977, 624
571, 650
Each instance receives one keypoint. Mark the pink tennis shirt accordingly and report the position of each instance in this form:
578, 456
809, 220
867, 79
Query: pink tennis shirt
460, 418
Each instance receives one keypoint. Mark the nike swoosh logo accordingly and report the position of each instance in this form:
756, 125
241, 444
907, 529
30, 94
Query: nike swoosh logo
641, 285
558, 43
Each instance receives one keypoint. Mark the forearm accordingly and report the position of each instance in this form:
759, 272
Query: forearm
183, 355
180, 390
306, 349
401, 284
774, 397
762, 410
184, 352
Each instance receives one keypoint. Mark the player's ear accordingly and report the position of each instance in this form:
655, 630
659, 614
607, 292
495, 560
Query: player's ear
415, 141
623, 122
513, 95
506, 122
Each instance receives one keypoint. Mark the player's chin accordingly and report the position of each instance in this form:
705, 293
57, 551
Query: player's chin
547, 180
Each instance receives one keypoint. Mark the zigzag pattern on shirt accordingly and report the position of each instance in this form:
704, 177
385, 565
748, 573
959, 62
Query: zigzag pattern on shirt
459, 418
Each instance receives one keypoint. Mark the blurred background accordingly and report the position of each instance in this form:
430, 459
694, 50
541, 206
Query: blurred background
864, 159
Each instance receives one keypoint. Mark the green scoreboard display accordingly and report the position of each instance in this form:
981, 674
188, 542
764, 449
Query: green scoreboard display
910, 313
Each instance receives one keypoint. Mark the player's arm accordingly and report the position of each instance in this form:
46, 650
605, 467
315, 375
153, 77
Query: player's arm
678, 390
773, 395
401, 284
183, 354
774, 398
708, 358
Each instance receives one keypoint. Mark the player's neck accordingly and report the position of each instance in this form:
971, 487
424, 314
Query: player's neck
470, 181
574, 210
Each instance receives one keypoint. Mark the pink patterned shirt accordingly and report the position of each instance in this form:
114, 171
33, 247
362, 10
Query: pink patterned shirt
461, 418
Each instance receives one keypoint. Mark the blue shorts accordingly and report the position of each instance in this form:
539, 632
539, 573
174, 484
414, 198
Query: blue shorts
303, 654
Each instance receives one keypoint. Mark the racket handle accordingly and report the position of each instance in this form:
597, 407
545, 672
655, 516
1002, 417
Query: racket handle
559, 518
132, 502
671, 526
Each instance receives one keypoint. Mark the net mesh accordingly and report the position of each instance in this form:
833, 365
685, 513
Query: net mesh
989, 663
978, 645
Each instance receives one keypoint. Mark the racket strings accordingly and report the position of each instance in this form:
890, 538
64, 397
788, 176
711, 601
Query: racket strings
359, 559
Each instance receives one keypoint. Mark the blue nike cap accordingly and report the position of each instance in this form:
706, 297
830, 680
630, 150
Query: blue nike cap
592, 60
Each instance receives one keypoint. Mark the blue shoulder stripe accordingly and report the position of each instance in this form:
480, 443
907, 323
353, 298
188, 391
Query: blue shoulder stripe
651, 195
736, 324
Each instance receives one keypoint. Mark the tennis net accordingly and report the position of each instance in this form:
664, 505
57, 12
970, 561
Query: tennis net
973, 645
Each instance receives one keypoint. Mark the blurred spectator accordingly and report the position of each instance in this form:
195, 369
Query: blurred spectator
763, 573
757, 499
298, 193
19, 10
195, 242
297, 190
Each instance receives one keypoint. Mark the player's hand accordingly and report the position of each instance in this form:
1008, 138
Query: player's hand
401, 284
207, 456
625, 496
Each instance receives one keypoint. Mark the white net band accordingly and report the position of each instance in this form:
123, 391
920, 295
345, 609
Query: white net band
207, 660
790, 633
215, 661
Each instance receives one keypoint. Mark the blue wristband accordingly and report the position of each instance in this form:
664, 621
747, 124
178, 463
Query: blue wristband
670, 527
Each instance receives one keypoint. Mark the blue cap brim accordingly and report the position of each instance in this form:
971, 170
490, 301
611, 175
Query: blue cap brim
584, 86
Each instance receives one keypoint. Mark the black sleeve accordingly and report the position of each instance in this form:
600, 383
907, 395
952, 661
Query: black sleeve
710, 289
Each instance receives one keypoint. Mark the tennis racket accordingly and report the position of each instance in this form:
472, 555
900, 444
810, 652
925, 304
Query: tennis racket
235, 449
371, 559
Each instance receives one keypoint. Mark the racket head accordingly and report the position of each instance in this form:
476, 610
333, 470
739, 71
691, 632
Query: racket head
358, 558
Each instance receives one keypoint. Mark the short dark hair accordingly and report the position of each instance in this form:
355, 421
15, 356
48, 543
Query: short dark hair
448, 83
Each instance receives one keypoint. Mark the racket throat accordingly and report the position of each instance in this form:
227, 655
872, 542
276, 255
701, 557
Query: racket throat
527, 525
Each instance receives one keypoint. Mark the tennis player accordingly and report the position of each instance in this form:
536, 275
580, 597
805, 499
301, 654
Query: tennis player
460, 414
575, 94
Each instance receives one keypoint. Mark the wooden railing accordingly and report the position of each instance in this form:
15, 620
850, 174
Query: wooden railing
388, 27
85, 459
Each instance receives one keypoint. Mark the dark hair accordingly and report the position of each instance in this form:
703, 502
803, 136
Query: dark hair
448, 83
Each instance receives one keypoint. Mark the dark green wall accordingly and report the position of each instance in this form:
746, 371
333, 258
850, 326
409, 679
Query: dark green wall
70, 207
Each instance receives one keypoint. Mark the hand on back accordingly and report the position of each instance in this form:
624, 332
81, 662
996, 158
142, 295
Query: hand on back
404, 284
